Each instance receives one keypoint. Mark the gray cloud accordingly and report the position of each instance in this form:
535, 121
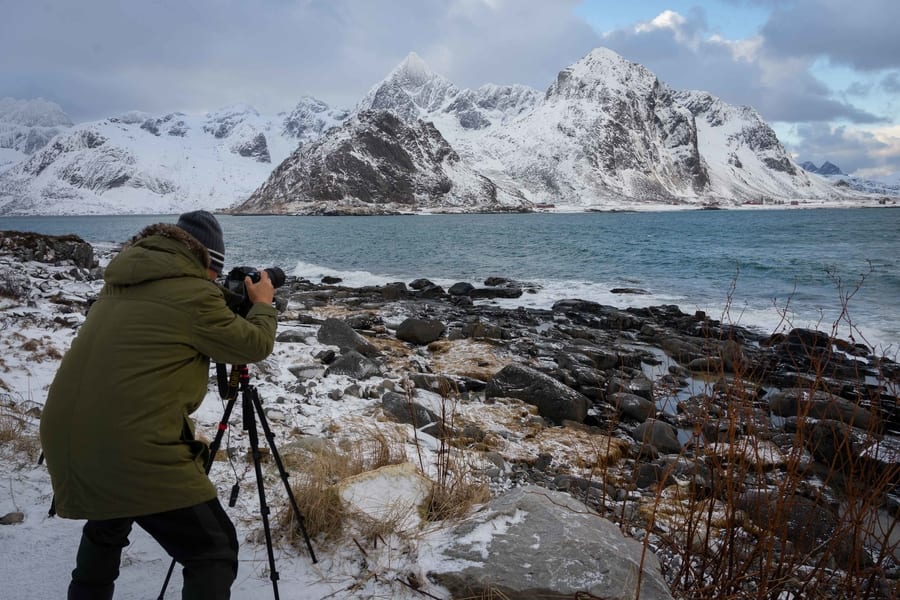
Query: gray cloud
849, 149
97, 57
891, 83
686, 58
852, 34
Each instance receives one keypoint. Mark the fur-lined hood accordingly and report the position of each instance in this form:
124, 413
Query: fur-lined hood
160, 251
176, 233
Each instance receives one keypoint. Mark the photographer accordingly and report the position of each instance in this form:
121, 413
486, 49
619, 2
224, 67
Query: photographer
115, 430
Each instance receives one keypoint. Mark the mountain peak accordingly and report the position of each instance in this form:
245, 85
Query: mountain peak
33, 113
412, 71
602, 72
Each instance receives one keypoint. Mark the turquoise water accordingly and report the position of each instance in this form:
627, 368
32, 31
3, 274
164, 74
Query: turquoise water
755, 268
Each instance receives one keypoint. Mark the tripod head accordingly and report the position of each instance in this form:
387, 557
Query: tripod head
229, 386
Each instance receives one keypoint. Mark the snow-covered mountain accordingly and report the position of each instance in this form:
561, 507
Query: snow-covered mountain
827, 168
26, 126
139, 163
378, 163
606, 134
888, 186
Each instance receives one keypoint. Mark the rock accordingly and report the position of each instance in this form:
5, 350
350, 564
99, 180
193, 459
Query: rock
293, 336
335, 332
631, 406
420, 284
627, 290
479, 329
330, 280
794, 402
532, 544
809, 526
405, 410
460, 289
498, 292
306, 371
555, 401
639, 386
394, 291
355, 365
13, 518
659, 435
420, 331
710, 364
28, 246
431, 292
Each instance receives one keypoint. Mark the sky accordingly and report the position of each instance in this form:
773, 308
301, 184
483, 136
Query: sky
824, 73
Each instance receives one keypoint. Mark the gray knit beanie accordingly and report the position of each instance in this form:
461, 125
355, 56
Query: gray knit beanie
204, 226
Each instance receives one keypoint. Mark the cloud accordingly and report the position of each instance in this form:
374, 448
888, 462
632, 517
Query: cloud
891, 83
97, 57
686, 55
857, 151
847, 34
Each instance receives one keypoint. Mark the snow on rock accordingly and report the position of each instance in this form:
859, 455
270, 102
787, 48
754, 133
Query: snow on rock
504, 549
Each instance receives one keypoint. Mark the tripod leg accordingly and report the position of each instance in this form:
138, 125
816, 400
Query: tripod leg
213, 450
270, 438
250, 424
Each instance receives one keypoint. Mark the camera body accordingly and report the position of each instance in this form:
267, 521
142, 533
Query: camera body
236, 291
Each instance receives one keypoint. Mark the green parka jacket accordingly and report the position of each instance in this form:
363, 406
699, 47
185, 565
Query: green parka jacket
115, 428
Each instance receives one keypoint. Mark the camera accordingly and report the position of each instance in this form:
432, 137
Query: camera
236, 291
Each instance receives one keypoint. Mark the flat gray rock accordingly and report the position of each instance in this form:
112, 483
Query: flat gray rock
534, 544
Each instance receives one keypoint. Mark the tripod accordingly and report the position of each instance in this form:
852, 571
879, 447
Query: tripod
251, 408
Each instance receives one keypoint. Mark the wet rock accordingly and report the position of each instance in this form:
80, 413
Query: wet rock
460, 289
555, 401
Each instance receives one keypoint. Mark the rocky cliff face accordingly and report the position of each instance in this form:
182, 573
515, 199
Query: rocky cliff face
377, 163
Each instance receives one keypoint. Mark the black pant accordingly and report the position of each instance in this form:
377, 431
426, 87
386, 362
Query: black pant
200, 537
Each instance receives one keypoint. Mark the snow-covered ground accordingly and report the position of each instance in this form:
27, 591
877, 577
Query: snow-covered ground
37, 554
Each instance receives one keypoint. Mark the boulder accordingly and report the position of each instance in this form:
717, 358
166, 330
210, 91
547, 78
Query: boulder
818, 404
555, 401
355, 365
460, 289
810, 526
495, 292
404, 410
533, 544
335, 332
420, 331
658, 434
634, 407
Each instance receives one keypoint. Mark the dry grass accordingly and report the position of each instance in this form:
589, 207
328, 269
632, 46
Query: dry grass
817, 529
17, 431
466, 358
319, 471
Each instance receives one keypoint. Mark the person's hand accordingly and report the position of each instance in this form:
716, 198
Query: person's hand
261, 291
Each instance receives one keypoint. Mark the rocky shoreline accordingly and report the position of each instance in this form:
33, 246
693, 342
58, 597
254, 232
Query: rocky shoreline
720, 451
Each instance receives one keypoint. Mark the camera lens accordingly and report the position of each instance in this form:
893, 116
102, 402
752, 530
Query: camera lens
276, 276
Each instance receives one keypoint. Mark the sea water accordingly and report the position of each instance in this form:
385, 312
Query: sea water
837, 270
